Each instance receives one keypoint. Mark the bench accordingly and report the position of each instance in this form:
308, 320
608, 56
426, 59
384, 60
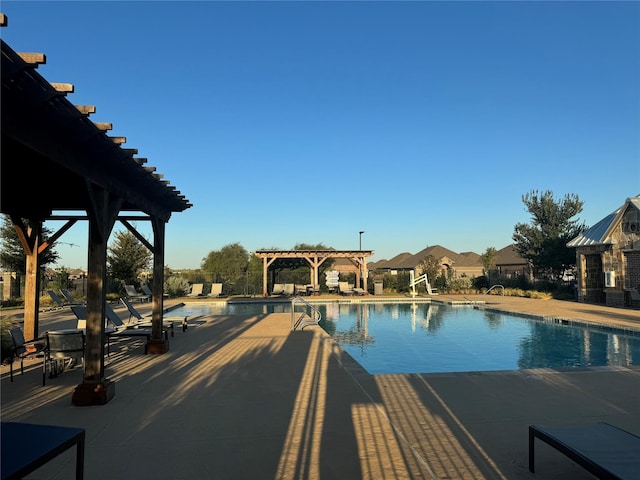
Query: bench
606, 451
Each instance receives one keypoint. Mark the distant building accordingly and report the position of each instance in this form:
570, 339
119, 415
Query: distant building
510, 264
457, 264
608, 258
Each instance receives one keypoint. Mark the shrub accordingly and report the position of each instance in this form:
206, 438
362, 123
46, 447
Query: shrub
176, 286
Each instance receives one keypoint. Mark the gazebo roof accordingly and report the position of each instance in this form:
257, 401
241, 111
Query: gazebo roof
52, 152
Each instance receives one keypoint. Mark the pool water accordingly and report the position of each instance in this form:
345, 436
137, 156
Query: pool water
436, 338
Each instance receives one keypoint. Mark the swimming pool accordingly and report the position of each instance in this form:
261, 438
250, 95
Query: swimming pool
436, 338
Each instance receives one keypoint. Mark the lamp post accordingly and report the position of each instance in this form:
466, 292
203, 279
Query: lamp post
361, 239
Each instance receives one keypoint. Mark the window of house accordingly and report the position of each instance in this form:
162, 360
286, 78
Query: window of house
594, 277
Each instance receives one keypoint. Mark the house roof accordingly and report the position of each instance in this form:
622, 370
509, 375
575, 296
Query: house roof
600, 233
509, 256
408, 261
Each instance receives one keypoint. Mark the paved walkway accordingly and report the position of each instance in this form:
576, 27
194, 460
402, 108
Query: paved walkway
240, 397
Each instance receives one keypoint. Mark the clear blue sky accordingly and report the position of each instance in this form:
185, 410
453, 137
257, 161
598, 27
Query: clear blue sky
419, 123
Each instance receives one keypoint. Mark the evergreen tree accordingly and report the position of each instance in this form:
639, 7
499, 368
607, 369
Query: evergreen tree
543, 242
127, 257
12, 255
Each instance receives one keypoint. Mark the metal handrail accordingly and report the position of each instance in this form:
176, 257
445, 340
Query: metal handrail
496, 286
309, 316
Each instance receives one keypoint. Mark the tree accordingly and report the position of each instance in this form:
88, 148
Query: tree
543, 242
127, 257
226, 265
488, 259
13, 258
431, 267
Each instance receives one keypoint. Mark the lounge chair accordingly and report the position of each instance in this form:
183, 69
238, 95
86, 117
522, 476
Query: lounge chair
289, 289
54, 296
69, 298
196, 290
278, 289
216, 290
120, 330
133, 294
59, 301
345, 289
147, 291
145, 321
359, 291
22, 349
604, 450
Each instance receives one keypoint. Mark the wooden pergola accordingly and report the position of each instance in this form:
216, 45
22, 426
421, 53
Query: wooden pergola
56, 160
315, 258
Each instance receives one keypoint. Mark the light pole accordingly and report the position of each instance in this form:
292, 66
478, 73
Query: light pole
361, 239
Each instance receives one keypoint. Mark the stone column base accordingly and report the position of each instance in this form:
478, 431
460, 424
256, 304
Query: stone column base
87, 394
157, 346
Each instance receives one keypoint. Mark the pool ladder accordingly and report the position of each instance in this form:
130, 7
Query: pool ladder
496, 286
309, 315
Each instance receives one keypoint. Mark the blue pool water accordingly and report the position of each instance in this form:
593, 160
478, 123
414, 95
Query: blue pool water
435, 338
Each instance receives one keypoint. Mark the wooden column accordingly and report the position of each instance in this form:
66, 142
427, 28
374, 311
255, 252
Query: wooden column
158, 344
95, 389
30, 236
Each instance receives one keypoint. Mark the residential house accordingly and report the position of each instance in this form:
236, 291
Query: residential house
608, 258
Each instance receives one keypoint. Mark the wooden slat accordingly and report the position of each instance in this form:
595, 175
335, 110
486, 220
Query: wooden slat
119, 140
130, 151
103, 126
34, 59
86, 109
4, 20
150, 169
63, 87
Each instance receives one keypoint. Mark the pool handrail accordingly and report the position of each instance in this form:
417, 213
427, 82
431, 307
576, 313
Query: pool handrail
495, 286
309, 316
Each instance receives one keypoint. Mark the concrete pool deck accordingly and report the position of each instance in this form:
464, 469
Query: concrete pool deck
241, 397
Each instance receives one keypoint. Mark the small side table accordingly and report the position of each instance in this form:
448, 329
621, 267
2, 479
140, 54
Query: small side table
27, 446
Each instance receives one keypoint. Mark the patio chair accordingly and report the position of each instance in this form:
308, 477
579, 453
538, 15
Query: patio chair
22, 349
196, 290
216, 290
133, 294
604, 450
145, 321
289, 289
278, 289
65, 349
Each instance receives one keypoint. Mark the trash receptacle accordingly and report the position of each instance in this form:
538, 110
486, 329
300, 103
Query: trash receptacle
377, 288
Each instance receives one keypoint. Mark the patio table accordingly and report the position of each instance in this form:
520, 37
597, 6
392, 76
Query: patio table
26, 447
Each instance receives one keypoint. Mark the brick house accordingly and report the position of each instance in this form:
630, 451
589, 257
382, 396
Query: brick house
608, 258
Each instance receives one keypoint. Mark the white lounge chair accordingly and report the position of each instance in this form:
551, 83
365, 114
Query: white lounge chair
196, 290
345, 289
278, 289
216, 290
